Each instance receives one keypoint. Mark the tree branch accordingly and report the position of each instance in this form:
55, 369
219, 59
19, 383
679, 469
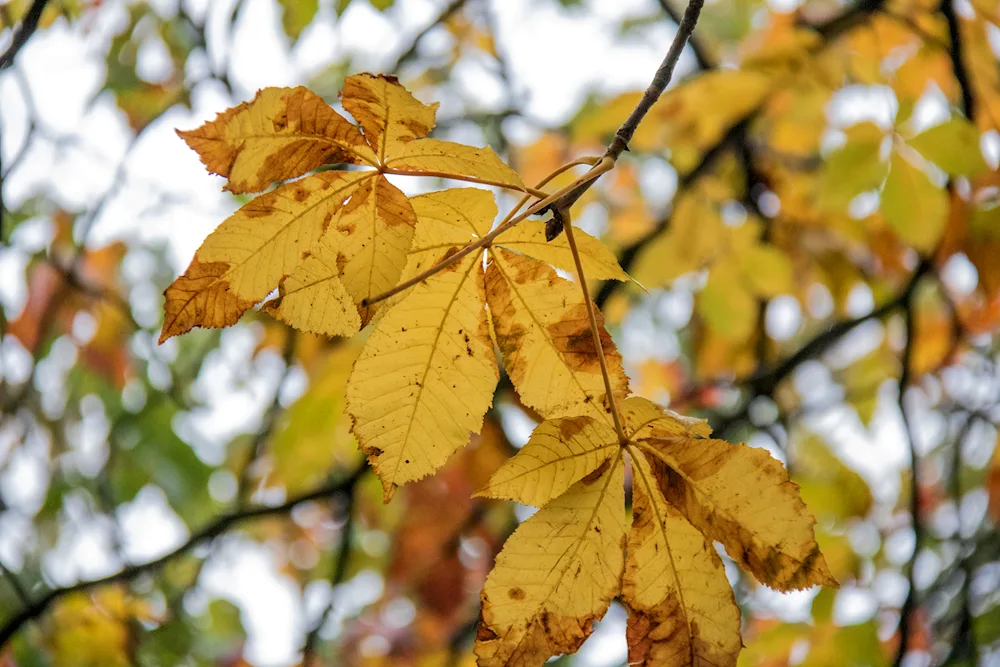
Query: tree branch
701, 55
829, 31
23, 33
653, 91
216, 528
336, 578
911, 604
958, 59
765, 383
410, 52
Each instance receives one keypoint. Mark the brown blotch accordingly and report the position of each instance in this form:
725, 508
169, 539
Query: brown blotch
594, 476
516, 593
569, 427
280, 121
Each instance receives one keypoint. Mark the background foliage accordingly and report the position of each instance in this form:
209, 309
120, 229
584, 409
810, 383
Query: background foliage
811, 209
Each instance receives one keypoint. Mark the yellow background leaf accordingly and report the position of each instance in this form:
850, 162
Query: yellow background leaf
914, 206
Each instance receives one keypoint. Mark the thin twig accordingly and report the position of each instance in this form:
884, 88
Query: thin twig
467, 179
23, 33
958, 59
653, 91
910, 605
270, 420
697, 48
220, 525
410, 52
336, 578
595, 328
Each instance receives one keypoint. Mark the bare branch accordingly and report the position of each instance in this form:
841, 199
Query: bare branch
958, 59
911, 604
411, 52
220, 525
653, 91
339, 572
701, 55
23, 33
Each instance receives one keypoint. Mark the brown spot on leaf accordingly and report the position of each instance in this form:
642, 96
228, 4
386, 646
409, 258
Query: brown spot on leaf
516, 593
570, 427
594, 476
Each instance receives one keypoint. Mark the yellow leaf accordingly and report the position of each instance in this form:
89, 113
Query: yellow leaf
425, 377
430, 157
285, 133
854, 168
767, 269
556, 575
914, 207
387, 113
953, 146
245, 258
528, 238
559, 453
726, 305
691, 242
314, 433
722, 489
88, 630
645, 419
447, 219
681, 609
200, 298
282, 133
313, 298
827, 484
543, 333
375, 229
